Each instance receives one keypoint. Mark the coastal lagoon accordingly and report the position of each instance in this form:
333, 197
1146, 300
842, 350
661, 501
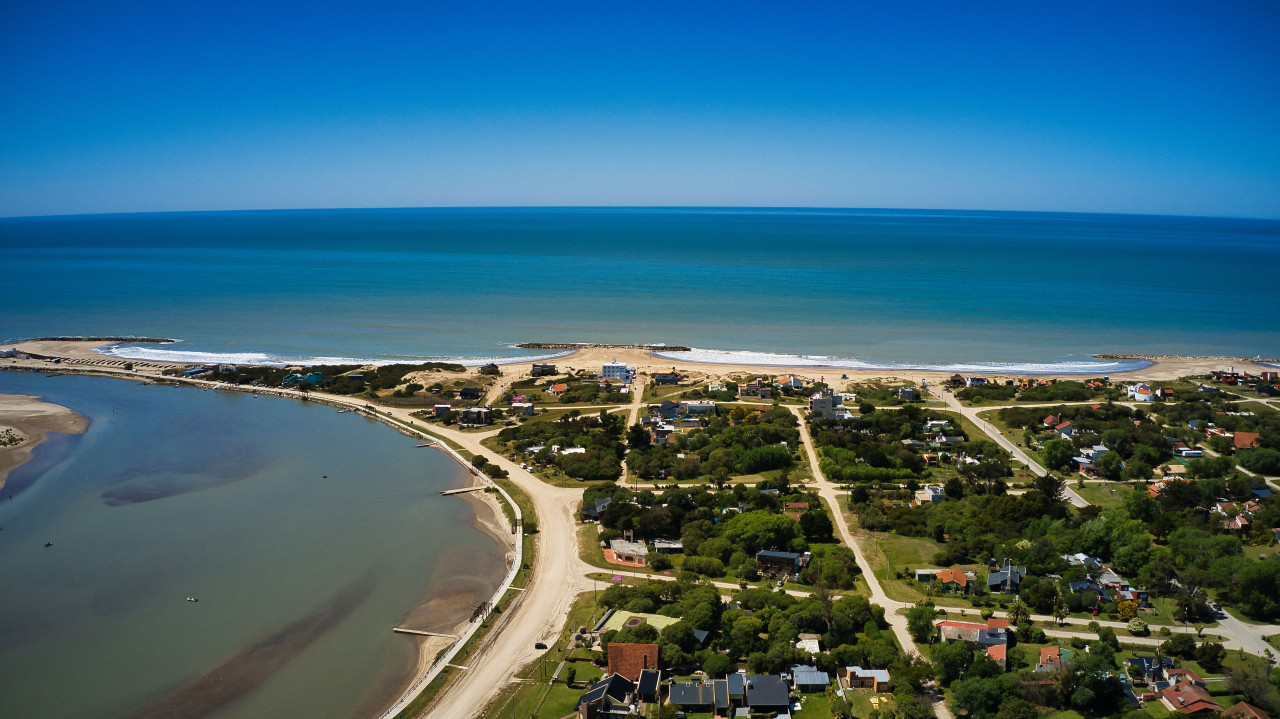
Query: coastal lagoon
305, 534
1005, 291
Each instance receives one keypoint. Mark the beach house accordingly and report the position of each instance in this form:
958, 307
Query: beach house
616, 370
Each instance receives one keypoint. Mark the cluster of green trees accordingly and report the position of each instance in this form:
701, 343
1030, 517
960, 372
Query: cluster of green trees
757, 628
600, 434
1059, 391
869, 448
728, 394
1172, 545
721, 531
730, 443
1137, 443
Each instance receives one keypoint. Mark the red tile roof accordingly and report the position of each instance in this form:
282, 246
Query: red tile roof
1246, 440
629, 660
953, 575
998, 652
1050, 655
1189, 699
1245, 711
994, 623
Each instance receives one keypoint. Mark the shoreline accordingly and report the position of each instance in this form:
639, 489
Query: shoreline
89, 353
30, 420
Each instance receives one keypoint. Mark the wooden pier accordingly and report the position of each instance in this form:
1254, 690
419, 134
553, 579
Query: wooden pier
448, 492
421, 633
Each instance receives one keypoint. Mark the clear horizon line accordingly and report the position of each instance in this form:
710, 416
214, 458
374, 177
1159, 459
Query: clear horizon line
834, 208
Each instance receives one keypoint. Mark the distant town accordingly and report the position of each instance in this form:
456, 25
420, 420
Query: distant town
815, 545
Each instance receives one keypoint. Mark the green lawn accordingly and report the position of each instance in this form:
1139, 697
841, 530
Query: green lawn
1111, 494
814, 705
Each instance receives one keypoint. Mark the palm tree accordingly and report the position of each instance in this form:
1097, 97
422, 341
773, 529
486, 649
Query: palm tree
1018, 613
1060, 611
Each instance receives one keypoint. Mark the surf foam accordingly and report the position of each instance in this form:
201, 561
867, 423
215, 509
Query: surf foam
135, 352
769, 359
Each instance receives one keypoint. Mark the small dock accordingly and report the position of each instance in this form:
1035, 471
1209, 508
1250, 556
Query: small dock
424, 444
421, 633
448, 492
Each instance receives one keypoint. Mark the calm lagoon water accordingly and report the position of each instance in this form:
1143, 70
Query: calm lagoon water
855, 287
175, 492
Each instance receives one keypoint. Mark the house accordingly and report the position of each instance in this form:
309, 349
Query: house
557, 389
629, 660
440, 410
767, 693
811, 643
975, 382
666, 377
594, 510
790, 382
908, 394
696, 407
692, 696
930, 494
1050, 421
649, 687
1185, 675
1188, 698
1137, 596
1152, 671
543, 370
609, 697
1066, 430
471, 393
809, 679
1080, 559
522, 408
778, 564
616, 370
666, 410
979, 634
755, 388
1007, 579
952, 580
1053, 658
877, 680
668, 546
1243, 710
1246, 440
1140, 392
629, 552
826, 404
475, 415
948, 440
913, 444
998, 653
926, 575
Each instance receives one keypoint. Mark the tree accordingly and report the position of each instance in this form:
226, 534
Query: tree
950, 661
1179, 645
717, 665
920, 621
1051, 486
638, 437
954, 488
479, 461
570, 673
761, 530
1138, 628
1210, 656
1108, 465
1056, 453
1018, 613
1060, 611
1127, 610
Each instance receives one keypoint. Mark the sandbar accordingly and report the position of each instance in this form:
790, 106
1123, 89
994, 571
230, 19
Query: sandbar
25, 422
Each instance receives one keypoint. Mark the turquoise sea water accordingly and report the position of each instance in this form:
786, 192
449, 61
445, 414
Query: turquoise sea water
851, 287
175, 492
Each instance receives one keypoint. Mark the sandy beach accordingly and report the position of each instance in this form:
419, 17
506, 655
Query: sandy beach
80, 355
25, 422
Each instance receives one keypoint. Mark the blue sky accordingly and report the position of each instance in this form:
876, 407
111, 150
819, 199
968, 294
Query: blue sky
1163, 107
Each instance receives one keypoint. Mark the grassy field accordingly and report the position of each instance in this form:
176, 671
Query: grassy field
906, 552
1111, 494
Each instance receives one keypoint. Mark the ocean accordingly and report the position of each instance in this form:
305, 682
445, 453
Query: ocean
1029, 292
305, 534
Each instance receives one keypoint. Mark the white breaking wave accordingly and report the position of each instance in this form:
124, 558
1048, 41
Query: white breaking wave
144, 353
769, 359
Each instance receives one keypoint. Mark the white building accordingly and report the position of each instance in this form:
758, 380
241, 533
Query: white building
616, 370
697, 406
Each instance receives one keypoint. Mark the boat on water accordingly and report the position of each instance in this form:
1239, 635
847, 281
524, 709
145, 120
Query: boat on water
192, 599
